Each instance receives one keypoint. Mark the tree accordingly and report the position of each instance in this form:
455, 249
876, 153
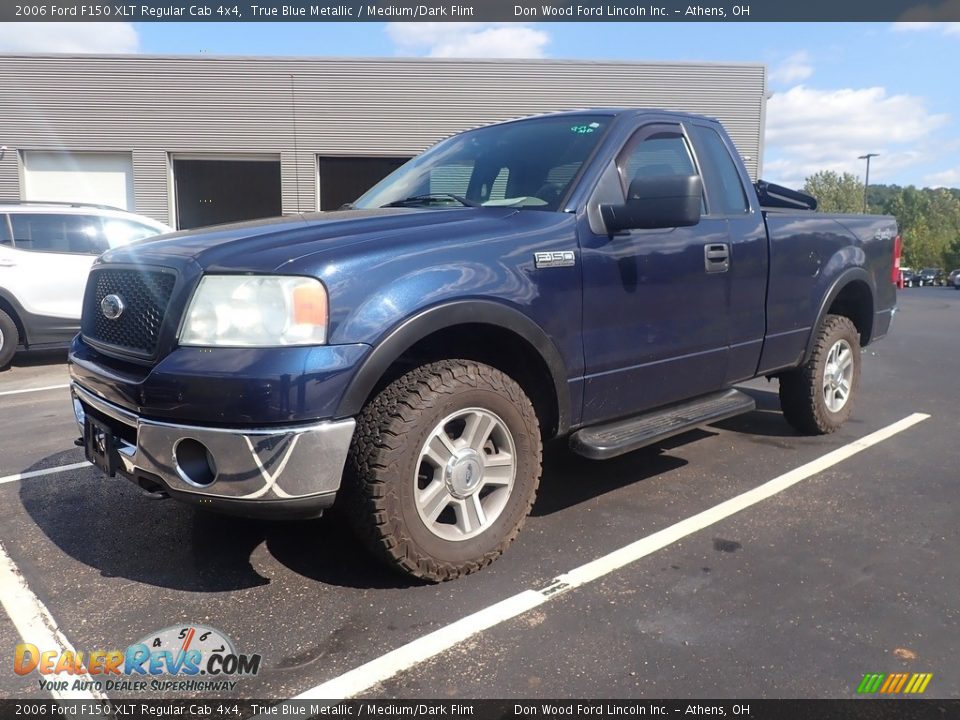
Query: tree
835, 192
929, 223
928, 219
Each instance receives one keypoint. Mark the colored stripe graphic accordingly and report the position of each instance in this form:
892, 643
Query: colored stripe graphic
870, 683
907, 683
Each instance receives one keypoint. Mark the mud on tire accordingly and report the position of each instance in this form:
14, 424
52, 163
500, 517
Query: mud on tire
443, 469
818, 397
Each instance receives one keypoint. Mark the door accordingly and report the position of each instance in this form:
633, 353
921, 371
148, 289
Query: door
103, 178
211, 191
47, 266
655, 323
726, 182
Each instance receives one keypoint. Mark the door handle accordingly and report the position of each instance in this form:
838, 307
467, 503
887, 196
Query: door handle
716, 257
7, 263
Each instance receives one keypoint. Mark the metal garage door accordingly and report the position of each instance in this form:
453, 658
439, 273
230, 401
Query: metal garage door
102, 178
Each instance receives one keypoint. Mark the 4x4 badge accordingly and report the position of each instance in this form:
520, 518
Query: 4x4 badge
112, 307
559, 258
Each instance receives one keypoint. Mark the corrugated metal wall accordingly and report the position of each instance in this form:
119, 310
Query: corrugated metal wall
153, 106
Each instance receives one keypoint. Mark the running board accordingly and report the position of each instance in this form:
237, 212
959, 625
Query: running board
622, 436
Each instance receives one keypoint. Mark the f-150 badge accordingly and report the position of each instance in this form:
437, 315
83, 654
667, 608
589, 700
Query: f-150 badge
559, 258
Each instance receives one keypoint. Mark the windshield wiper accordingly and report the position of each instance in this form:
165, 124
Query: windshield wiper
424, 199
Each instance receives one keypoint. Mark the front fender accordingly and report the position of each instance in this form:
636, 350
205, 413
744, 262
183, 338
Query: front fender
426, 322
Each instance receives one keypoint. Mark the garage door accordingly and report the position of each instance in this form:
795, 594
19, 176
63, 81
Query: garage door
213, 190
102, 178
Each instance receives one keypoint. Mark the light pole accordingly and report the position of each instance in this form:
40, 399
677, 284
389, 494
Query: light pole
866, 182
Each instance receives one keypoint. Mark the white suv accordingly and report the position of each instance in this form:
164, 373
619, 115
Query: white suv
46, 250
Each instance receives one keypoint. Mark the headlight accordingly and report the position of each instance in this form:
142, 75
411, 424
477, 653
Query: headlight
256, 311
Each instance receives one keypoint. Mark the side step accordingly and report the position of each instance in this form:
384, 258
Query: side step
622, 436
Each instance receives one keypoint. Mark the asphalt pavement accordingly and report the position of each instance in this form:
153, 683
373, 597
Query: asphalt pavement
851, 569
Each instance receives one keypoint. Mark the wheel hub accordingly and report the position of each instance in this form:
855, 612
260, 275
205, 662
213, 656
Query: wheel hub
463, 474
838, 375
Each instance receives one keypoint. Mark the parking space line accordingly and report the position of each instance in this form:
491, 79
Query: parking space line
36, 625
40, 473
417, 651
37, 389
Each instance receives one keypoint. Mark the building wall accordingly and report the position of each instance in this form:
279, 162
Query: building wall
300, 108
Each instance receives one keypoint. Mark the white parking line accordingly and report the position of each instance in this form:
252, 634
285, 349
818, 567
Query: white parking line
36, 625
39, 473
38, 389
403, 658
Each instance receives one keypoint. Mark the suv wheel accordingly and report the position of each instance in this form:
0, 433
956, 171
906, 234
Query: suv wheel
443, 469
9, 339
817, 398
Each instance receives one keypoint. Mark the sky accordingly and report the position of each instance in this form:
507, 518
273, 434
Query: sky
838, 90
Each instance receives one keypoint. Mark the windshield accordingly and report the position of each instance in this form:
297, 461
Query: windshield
529, 164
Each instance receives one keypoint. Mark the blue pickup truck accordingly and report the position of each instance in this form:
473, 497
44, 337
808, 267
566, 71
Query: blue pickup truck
601, 276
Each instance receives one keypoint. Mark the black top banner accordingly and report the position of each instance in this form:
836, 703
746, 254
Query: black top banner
481, 11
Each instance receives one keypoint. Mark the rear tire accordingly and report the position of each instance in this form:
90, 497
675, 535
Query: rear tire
818, 397
9, 339
443, 469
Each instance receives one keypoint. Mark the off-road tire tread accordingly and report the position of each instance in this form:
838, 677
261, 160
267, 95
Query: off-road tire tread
381, 427
799, 400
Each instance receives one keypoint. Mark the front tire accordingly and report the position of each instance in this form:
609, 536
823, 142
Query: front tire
443, 469
817, 398
9, 339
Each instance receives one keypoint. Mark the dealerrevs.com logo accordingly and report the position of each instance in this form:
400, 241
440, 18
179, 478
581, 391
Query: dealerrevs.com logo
180, 658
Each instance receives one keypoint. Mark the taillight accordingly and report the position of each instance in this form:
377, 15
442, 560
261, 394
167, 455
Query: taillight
897, 249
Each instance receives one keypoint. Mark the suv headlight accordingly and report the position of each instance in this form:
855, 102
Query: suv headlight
256, 311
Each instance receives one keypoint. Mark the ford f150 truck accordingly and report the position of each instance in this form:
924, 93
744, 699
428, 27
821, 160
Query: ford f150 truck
603, 276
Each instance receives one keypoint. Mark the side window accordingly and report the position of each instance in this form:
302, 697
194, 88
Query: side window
723, 180
5, 236
123, 232
653, 151
49, 232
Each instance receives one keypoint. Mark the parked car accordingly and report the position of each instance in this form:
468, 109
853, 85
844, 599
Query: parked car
909, 277
603, 276
46, 250
930, 276
953, 279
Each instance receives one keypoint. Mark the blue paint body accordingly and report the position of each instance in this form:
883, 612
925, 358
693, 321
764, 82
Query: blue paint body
636, 323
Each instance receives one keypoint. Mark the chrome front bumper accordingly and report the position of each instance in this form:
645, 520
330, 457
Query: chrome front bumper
231, 469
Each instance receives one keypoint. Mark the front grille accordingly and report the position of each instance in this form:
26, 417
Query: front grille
144, 294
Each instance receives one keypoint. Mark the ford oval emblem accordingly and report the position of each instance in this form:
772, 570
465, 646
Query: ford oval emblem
112, 307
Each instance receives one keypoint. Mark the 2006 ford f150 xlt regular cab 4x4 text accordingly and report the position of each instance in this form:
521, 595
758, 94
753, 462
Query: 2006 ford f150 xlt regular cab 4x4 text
604, 276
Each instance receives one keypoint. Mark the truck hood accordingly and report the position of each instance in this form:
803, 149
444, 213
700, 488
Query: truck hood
266, 245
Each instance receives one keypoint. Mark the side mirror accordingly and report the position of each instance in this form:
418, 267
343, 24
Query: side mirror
666, 201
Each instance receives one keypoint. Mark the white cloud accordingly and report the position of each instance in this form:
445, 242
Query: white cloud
795, 68
947, 178
66, 37
468, 40
809, 130
924, 12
